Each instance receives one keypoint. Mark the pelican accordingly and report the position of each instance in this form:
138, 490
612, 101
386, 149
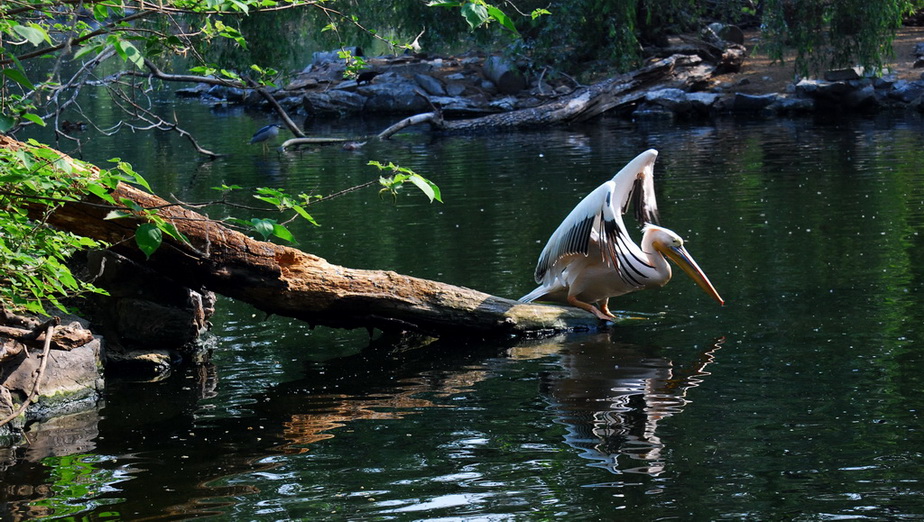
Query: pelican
590, 256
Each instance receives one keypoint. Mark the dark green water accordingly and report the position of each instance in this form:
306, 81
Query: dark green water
800, 399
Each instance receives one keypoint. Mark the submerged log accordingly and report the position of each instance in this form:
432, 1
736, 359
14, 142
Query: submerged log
285, 281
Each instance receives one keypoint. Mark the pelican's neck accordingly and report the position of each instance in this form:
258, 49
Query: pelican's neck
661, 269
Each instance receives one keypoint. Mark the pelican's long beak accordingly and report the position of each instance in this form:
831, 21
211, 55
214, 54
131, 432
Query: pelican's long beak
679, 255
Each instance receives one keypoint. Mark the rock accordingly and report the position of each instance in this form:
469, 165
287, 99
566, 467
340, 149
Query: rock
750, 102
907, 92
822, 89
732, 33
724, 33
504, 74
919, 50
451, 104
145, 323
843, 75
395, 96
430, 84
149, 365
703, 102
884, 82
322, 57
333, 102
195, 91
732, 59
674, 100
786, 104
455, 89
505, 104
230, 94
72, 380
862, 99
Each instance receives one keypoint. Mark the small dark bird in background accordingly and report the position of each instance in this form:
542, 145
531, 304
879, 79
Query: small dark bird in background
69, 126
366, 77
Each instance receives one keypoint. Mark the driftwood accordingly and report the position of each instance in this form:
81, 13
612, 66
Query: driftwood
285, 281
615, 93
19, 333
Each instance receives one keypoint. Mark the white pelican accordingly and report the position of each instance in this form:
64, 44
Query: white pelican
590, 256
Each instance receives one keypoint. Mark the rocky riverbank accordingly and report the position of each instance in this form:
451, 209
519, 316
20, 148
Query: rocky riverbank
144, 328
714, 75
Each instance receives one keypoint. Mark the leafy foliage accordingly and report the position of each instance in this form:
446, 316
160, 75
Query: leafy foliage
825, 34
401, 176
33, 269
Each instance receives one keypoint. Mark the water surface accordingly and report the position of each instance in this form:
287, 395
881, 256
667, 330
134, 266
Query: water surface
798, 400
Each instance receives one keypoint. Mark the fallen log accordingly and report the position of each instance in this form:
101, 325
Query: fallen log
618, 92
285, 281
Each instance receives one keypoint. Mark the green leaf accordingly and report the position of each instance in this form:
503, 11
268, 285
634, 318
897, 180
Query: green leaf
502, 18
19, 77
100, 12
87, 49
173, 232
282, 233
34, 118
475, 14
33, 33
101, 192
427, 187
264, 227
148, 238
130, 53
6, 122
304, 214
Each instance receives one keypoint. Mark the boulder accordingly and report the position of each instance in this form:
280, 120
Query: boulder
793, 105
504, 75
864, 98
752, 103
674, 100
843, 75
393, 97
703, 102
430, 84
335, 101
72, 380
907, 92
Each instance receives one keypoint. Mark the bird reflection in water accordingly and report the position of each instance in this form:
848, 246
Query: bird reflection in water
612, 397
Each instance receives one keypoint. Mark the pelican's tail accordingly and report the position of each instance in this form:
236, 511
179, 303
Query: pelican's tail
538, 293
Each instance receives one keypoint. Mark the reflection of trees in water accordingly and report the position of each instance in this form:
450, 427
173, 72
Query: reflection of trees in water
611, 396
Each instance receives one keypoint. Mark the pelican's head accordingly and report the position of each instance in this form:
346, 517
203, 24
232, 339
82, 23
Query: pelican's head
669, 244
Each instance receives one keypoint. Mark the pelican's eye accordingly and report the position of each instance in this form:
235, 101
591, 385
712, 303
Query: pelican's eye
678, 242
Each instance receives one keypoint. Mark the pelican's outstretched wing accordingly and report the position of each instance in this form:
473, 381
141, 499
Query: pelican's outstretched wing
596, 223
